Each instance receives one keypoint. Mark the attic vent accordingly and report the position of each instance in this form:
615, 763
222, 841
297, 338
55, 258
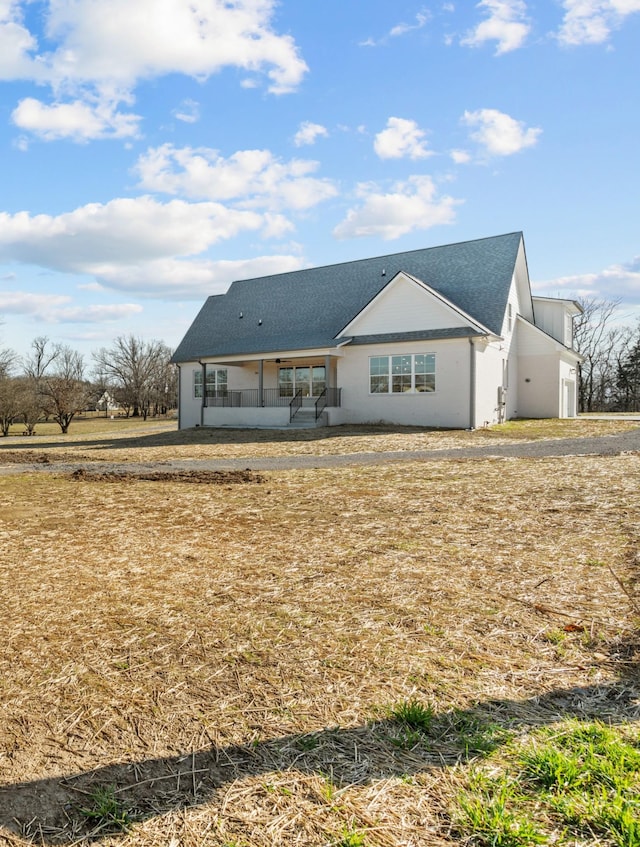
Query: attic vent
260, 322
240, 315
384, 272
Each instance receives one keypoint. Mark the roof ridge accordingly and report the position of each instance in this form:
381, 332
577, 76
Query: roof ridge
377, 258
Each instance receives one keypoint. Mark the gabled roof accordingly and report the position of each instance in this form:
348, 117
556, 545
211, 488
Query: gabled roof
307, 309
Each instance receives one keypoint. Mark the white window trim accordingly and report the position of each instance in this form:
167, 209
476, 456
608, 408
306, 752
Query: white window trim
412, 391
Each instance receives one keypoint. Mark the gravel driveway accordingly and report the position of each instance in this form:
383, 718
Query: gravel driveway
607, 445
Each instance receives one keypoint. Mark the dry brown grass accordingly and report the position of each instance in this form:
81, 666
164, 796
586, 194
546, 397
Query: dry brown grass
226, 655
97, 439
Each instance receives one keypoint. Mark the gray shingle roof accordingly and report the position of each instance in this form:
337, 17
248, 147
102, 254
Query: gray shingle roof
307, 309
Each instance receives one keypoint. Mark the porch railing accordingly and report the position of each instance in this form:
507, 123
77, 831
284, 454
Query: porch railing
329, 397
295, 404
271, 397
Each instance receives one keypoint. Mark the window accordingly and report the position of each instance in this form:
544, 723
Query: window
216, 382
306, 378
401, 374
509, 317
197, 384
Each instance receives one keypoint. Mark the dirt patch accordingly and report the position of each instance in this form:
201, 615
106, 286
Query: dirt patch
198, 477
23, 457
48, 457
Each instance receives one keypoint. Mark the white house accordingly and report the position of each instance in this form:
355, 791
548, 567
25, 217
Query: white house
442, 337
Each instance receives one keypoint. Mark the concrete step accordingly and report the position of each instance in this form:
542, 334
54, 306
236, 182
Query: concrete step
306, 419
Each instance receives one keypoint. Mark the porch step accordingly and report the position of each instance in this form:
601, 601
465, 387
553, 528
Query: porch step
306, 419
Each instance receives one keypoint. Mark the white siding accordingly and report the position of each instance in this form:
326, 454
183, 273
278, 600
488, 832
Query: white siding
447, 406
546, 377
404, 306
190, 407
555, 318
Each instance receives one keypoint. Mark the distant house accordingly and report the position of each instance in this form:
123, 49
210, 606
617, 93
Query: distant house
106, 403
446, 337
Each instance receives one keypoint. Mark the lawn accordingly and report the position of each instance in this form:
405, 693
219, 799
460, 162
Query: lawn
364, 656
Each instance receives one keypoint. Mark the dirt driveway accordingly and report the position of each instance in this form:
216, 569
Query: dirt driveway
606, 445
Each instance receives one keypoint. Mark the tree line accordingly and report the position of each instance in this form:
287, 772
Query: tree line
52, 382
609, 375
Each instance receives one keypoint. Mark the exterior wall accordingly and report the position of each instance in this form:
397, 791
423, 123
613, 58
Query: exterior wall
555, 319
491, 373
447, 406
547, 386
539, 387
189, 406
246, 417
521, 281
404, 306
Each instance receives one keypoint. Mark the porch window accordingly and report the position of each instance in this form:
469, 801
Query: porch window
216, 382
415, 373
310, 379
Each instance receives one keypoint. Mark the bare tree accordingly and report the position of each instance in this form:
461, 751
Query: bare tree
134, 369
598, 342
56, 373
28, 402
9, 407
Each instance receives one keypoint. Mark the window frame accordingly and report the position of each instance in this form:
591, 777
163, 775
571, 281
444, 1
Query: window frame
214, 387
410, 373
197, 384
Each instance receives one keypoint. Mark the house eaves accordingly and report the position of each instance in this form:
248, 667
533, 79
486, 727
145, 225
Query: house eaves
447, 334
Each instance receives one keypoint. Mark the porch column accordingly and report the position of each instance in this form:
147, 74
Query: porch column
204, 392
327, 372
261, 382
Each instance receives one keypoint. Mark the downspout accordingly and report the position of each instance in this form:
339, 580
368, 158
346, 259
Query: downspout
179, 395
472, 383
261, 383
204, 391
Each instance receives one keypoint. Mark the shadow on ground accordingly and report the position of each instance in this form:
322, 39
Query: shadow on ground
50, 811
212, 435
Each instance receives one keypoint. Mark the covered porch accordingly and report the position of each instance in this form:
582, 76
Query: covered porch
279, 391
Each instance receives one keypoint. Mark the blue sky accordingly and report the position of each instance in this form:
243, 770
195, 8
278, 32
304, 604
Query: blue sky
152, 151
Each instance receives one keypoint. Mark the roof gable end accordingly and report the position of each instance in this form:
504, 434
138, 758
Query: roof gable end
407, 304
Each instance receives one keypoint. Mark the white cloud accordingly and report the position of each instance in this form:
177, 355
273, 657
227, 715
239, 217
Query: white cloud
103, 48
308, 133
16, 42
54, 308
138, 245
618, 281
179, 279
402, 138
95, 313
421, 19
591, 21
507, 24
411, 205
25, 303
134, 230
80, 121
500, 134
189, 112
460, 157
252, 178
